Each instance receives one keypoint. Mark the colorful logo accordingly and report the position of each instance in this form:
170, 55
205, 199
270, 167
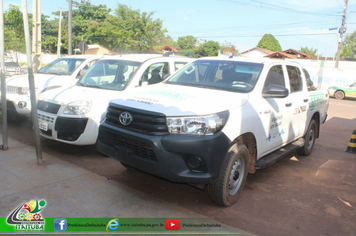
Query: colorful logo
172, 224
27, 216
60, 224
113, 225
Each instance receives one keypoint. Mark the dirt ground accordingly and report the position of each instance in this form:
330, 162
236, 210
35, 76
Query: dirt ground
314, 195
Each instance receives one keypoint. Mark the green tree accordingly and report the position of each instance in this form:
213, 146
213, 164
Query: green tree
269, 42
187, 44
134, 30
14, 31
209, 48
349, 46
49, 34
310, 51
87, 21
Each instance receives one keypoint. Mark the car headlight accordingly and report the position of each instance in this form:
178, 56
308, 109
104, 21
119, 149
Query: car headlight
197, 125
77, 108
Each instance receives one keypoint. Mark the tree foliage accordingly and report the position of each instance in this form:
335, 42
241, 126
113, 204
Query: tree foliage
14, 30
134, 30
187, 44
209, 48
310, 51
349, 46
269, 42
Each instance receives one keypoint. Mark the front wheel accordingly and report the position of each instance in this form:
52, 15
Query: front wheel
310, 137
227, 190
339, 95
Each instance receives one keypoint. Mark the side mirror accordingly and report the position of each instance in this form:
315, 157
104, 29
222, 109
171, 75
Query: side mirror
275, 91
166, 76
144, 83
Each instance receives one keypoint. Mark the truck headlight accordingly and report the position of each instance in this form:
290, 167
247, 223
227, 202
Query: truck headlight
77, 108
197, 125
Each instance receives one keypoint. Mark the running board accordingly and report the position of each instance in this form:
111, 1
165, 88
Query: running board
279, 154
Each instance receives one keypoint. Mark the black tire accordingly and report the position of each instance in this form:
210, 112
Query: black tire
309, 138
227, 190
339, 95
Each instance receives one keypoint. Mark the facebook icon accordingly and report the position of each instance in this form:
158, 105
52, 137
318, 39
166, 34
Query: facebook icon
60, 224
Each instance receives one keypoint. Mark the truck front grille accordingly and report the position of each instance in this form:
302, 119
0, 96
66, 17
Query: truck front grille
137, 148
147, 122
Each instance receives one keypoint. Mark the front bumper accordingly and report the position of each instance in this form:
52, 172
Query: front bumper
72, 130
20, 104
177, 158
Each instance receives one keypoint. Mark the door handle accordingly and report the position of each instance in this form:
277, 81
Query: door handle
305, 100
288, 104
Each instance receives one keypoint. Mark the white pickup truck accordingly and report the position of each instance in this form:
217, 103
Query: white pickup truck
62, 72
72, 115
214, 121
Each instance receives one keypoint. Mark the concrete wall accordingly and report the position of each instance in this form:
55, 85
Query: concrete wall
22, 58
324, 74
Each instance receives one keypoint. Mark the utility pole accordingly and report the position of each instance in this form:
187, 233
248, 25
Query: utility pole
69, 27
36, 35
342, 29
4, 145
59, 33
31, 81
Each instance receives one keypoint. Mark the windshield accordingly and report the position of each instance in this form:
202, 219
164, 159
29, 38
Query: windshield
64, 66
109, 74
226, 75
10, 64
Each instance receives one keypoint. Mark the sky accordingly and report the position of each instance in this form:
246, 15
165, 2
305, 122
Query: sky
294, 23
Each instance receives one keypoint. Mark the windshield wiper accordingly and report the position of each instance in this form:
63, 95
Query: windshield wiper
52, 73
81, 84
92, 86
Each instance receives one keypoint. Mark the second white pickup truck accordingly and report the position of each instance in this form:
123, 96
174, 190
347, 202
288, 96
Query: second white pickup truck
214, 121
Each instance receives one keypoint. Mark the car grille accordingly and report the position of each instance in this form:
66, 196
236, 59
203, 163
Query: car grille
11, 89
48, 107
137, 148
44, 118
143, 121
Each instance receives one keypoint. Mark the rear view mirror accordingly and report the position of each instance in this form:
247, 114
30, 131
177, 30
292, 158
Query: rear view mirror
275, 91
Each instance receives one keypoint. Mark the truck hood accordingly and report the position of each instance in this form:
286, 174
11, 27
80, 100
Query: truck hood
79, 93
41, 80
177, 100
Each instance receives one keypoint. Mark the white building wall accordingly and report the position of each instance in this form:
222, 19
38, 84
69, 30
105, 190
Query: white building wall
324, 74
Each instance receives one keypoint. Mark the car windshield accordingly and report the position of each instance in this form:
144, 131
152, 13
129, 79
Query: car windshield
63, 66
109, 74
11, 64
225, 75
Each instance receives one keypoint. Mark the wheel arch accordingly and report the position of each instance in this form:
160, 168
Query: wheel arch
249, 140
316, 117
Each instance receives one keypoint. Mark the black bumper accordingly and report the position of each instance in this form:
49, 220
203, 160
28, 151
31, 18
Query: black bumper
177, 158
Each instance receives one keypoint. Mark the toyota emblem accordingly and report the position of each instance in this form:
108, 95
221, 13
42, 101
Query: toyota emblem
45, 107
125, 118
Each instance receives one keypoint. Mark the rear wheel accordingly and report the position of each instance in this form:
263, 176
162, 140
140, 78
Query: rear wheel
309, 137
227, 190
339, 95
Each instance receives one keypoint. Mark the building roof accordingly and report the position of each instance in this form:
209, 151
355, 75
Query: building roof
169, 48
281, 55
299, 54
260, 49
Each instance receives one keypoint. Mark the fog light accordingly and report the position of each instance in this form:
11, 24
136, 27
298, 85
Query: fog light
195, 163
22, 104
